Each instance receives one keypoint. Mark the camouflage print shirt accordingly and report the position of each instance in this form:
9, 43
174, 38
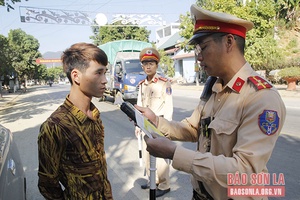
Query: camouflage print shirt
72, 162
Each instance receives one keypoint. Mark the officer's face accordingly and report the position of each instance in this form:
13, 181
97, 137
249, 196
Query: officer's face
149, 67
210, 54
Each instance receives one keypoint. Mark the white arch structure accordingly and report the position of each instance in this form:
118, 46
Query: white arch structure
72, 17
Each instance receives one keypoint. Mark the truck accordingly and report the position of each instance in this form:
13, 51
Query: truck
124, 70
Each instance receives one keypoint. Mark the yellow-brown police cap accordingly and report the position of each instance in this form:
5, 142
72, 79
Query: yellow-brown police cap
149, 54
208, 22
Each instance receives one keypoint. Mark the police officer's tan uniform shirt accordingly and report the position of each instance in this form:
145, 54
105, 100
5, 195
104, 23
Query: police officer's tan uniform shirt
239, 141
156, 95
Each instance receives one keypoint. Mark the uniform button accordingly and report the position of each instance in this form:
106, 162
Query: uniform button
219, 100
205, 146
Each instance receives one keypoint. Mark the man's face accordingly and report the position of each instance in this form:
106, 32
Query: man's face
209, 54
149, 67
93, 80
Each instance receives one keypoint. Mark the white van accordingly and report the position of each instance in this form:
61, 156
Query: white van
274, 77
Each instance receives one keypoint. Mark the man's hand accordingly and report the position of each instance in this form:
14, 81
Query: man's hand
159, 146
147, 112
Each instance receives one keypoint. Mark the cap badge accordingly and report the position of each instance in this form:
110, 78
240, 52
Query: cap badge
149, 51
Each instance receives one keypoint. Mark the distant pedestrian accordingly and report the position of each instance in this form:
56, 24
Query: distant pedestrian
155, 92
72, 162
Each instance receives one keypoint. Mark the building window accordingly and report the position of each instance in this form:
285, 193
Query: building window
167, 31
160, 33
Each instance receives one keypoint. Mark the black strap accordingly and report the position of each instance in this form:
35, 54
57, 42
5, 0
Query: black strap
204, 191
197, 196
207, 91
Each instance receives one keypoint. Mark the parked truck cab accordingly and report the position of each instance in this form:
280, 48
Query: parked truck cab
127, 74
124, 69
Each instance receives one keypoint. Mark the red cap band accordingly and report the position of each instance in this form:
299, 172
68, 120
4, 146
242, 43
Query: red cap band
219, 27
149, 57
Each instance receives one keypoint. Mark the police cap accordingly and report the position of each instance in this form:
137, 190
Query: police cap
208, 22
149, 54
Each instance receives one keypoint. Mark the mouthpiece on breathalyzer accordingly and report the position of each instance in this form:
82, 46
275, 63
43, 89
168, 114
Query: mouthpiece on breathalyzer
129, 110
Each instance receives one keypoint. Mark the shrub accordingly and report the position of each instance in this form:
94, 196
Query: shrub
290, 72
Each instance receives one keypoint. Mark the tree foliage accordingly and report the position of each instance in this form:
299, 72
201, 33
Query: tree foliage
55, 74
166, 64
290, 72
6, 68
24, 53
262, 48
117, 31
288, 11
8, 4
186, 29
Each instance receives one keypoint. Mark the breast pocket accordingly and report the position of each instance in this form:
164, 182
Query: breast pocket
221, 126
156, 99
223, 136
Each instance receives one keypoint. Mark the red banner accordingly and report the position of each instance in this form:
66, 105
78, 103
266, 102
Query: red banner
41, 61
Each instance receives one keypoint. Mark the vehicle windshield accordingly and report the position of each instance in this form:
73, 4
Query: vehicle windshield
133, 66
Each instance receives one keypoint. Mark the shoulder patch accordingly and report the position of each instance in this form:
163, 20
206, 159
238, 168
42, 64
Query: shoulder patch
142, 81
168, 90
268, 122
163, 79
259, 82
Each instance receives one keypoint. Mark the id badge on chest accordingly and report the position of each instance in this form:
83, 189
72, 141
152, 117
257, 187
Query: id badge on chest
205, 131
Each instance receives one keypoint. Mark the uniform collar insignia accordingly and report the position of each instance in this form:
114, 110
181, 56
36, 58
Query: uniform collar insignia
238, 84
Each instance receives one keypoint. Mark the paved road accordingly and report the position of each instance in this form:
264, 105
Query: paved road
26, 112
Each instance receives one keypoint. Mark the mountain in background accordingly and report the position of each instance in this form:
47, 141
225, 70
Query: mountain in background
52, 55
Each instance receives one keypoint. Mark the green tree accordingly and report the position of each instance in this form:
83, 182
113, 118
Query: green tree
166, 64
5, 59
8, 3
288, 12
6, 70
186, 30
261, 48
117, 31
40, 73
55, 73
24, 53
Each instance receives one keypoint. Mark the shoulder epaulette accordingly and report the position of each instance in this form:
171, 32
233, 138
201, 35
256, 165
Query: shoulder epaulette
259, 82
163, 79
142, 81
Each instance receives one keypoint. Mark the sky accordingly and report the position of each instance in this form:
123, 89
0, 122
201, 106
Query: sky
56, 37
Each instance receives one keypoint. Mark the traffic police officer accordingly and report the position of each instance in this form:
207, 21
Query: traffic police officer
237, 126
155, 92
